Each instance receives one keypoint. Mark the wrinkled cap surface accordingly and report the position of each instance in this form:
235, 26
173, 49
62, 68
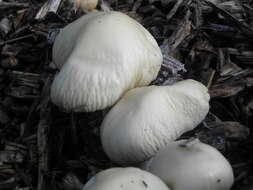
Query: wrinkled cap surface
125, 179
148, 118
101, 55
196, 166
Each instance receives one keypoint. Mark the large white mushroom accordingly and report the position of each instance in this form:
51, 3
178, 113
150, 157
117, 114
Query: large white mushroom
125, 179
191, 165
101, 55
148, 118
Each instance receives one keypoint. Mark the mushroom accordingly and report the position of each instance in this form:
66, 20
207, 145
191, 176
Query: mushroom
191, 165
148, 118
102, 55
125, 179
88, 5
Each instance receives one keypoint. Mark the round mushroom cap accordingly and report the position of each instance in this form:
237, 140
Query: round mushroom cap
148, 118
86, 4
125, 179
191, 165
101, 55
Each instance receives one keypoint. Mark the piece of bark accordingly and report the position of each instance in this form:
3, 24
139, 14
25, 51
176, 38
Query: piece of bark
4, 116
8, 156
229, 69
12, 146
42, 136
8, 184
234, 21
174, 9
227, 89
218, 133
198, 17
137, 5
7, 5
49, 6
179, 34
5, 25
71, 182
10, 62
148, 9
249, 82
169, 62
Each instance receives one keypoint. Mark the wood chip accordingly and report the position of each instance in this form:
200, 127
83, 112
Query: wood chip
49, 6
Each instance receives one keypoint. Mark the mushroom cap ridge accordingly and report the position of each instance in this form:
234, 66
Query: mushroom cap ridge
148, 118
102, 55
125, 179
192, 166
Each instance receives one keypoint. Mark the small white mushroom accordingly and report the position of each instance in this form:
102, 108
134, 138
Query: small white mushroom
102, 55
85, 4
191, 165
148, 118
125, 179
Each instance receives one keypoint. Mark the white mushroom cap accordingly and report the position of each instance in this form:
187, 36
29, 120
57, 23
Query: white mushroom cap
85, 4
191, 166
148, 118
125, 179
102, 55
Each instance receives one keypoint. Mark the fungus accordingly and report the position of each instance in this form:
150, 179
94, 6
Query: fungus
88, 5
191, 165
148, 118
102, 55
125, 179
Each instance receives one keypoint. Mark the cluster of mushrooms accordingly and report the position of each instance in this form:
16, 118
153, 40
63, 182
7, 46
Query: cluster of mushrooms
107, 59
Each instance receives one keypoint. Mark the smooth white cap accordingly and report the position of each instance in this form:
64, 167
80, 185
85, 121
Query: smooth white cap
125, 179
85, 4
102, 55
191, 166
148, 118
